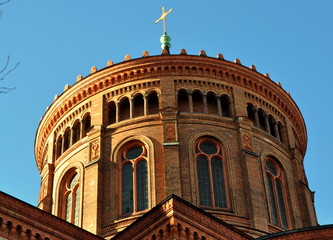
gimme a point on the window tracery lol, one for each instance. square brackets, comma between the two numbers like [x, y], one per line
[276, 193]
[70, 197]
[211, 173]
[134, 178]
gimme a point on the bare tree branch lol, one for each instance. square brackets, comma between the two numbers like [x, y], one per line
[6, 69]
[1, 3]
[6, 89]
[6, 65]
[3, 70]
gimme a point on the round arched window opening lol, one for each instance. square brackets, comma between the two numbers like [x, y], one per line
[208, 147]
[271, 168]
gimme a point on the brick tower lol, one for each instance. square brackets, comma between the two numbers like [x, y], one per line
[217, 134]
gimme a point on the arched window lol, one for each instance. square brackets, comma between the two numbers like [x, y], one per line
[183, 105]
[211, 173]
[70, 198]
[281, 132]
[124, 109]
[153, 103]
[276, 193]
[198, 106]
[112, 113]
[212, 103]
[272, 122]
[134, 178]
[59, 147]
[225, 106]
[76, 132]
[86, 124]
[67, 137]
[138, 106]
[262, 121]
[250, 112]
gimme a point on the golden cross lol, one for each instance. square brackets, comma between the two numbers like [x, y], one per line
[163, 17]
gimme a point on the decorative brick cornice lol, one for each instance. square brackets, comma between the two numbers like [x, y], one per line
[155, 67]
[14, 213]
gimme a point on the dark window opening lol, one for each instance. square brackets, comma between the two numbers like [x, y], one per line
[197, 102]
[76, 132]
[225, 105]
[153, 103]
[262, 122]
[59, 147]
[212, 104]
[124, 109]
[250, 112]
[112, 112]
[86, 124]
[183, 105]
[138, 106]
[271, 123]
[66, 139]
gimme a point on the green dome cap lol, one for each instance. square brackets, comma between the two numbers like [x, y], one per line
[165, 41]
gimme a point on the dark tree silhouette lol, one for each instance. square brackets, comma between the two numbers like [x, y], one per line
[6, 69]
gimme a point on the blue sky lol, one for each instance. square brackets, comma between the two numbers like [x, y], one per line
[54, 41]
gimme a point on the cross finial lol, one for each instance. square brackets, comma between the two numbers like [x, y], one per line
[163, 17]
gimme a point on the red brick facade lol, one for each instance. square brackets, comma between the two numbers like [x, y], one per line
[227, 140]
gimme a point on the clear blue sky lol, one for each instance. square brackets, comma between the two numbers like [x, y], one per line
[57, 40]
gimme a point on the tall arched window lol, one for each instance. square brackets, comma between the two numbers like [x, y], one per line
[134, 178]
[70, 198]
[211, 173]
[276, 193]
